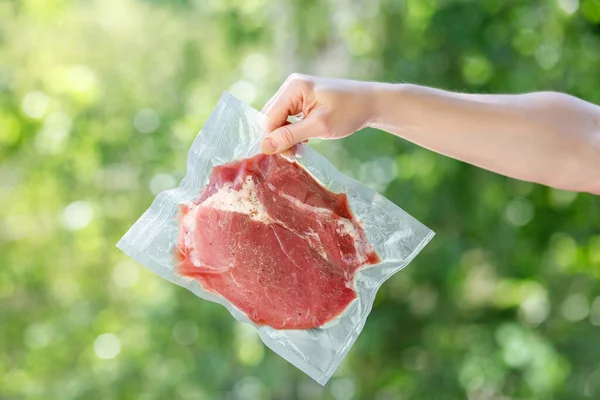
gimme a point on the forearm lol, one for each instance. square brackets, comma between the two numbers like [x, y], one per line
[548, 138]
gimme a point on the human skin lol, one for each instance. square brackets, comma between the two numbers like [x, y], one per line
[548, 138]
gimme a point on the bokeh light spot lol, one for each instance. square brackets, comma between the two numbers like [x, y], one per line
[52, 139]
[256, 67]
[535, 307]
[249, 348]
[360, 42]
[107, 346]
[516, 349]
[343, 389]
[35, 104]
[126, 274]
[575, 308]
[519, 212]
[80, 78]
[564, 250]
[244, 90]
[592, 385]
[423, 300]
[561, 198]
[477, 70]
[185, 332]
[250, 388]
[39, 335]
[547, 56]
[569, 6]
[146, 120]
[77, 215]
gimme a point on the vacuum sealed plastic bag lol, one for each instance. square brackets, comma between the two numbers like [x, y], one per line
[285, 242]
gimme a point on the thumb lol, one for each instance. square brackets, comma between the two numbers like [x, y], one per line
[286, 136]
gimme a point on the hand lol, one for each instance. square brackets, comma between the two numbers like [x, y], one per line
[329, 109]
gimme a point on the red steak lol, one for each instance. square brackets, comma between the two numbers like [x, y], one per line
[278, 245]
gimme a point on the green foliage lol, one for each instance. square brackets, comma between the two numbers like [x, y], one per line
[99, 101]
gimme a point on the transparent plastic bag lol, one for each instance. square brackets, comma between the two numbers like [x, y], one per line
[233, 132]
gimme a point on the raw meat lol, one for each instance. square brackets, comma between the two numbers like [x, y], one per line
[279, 246]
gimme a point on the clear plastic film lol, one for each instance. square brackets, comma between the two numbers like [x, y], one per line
[233, 132]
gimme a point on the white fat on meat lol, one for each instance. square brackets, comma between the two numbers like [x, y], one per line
[243, 200]
[347, 227]
[315, 243]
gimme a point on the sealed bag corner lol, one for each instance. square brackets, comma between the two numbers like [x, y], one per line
[286, 243]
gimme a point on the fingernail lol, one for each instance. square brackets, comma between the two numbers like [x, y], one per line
[268, 145]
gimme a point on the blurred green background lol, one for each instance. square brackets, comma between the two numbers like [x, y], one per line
[99, 101]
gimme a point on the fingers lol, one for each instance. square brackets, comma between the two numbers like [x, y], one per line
[288, 135]
[287, 101]
[281, 108]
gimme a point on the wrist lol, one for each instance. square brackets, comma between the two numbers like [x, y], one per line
[384, 99]
[371, 93]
